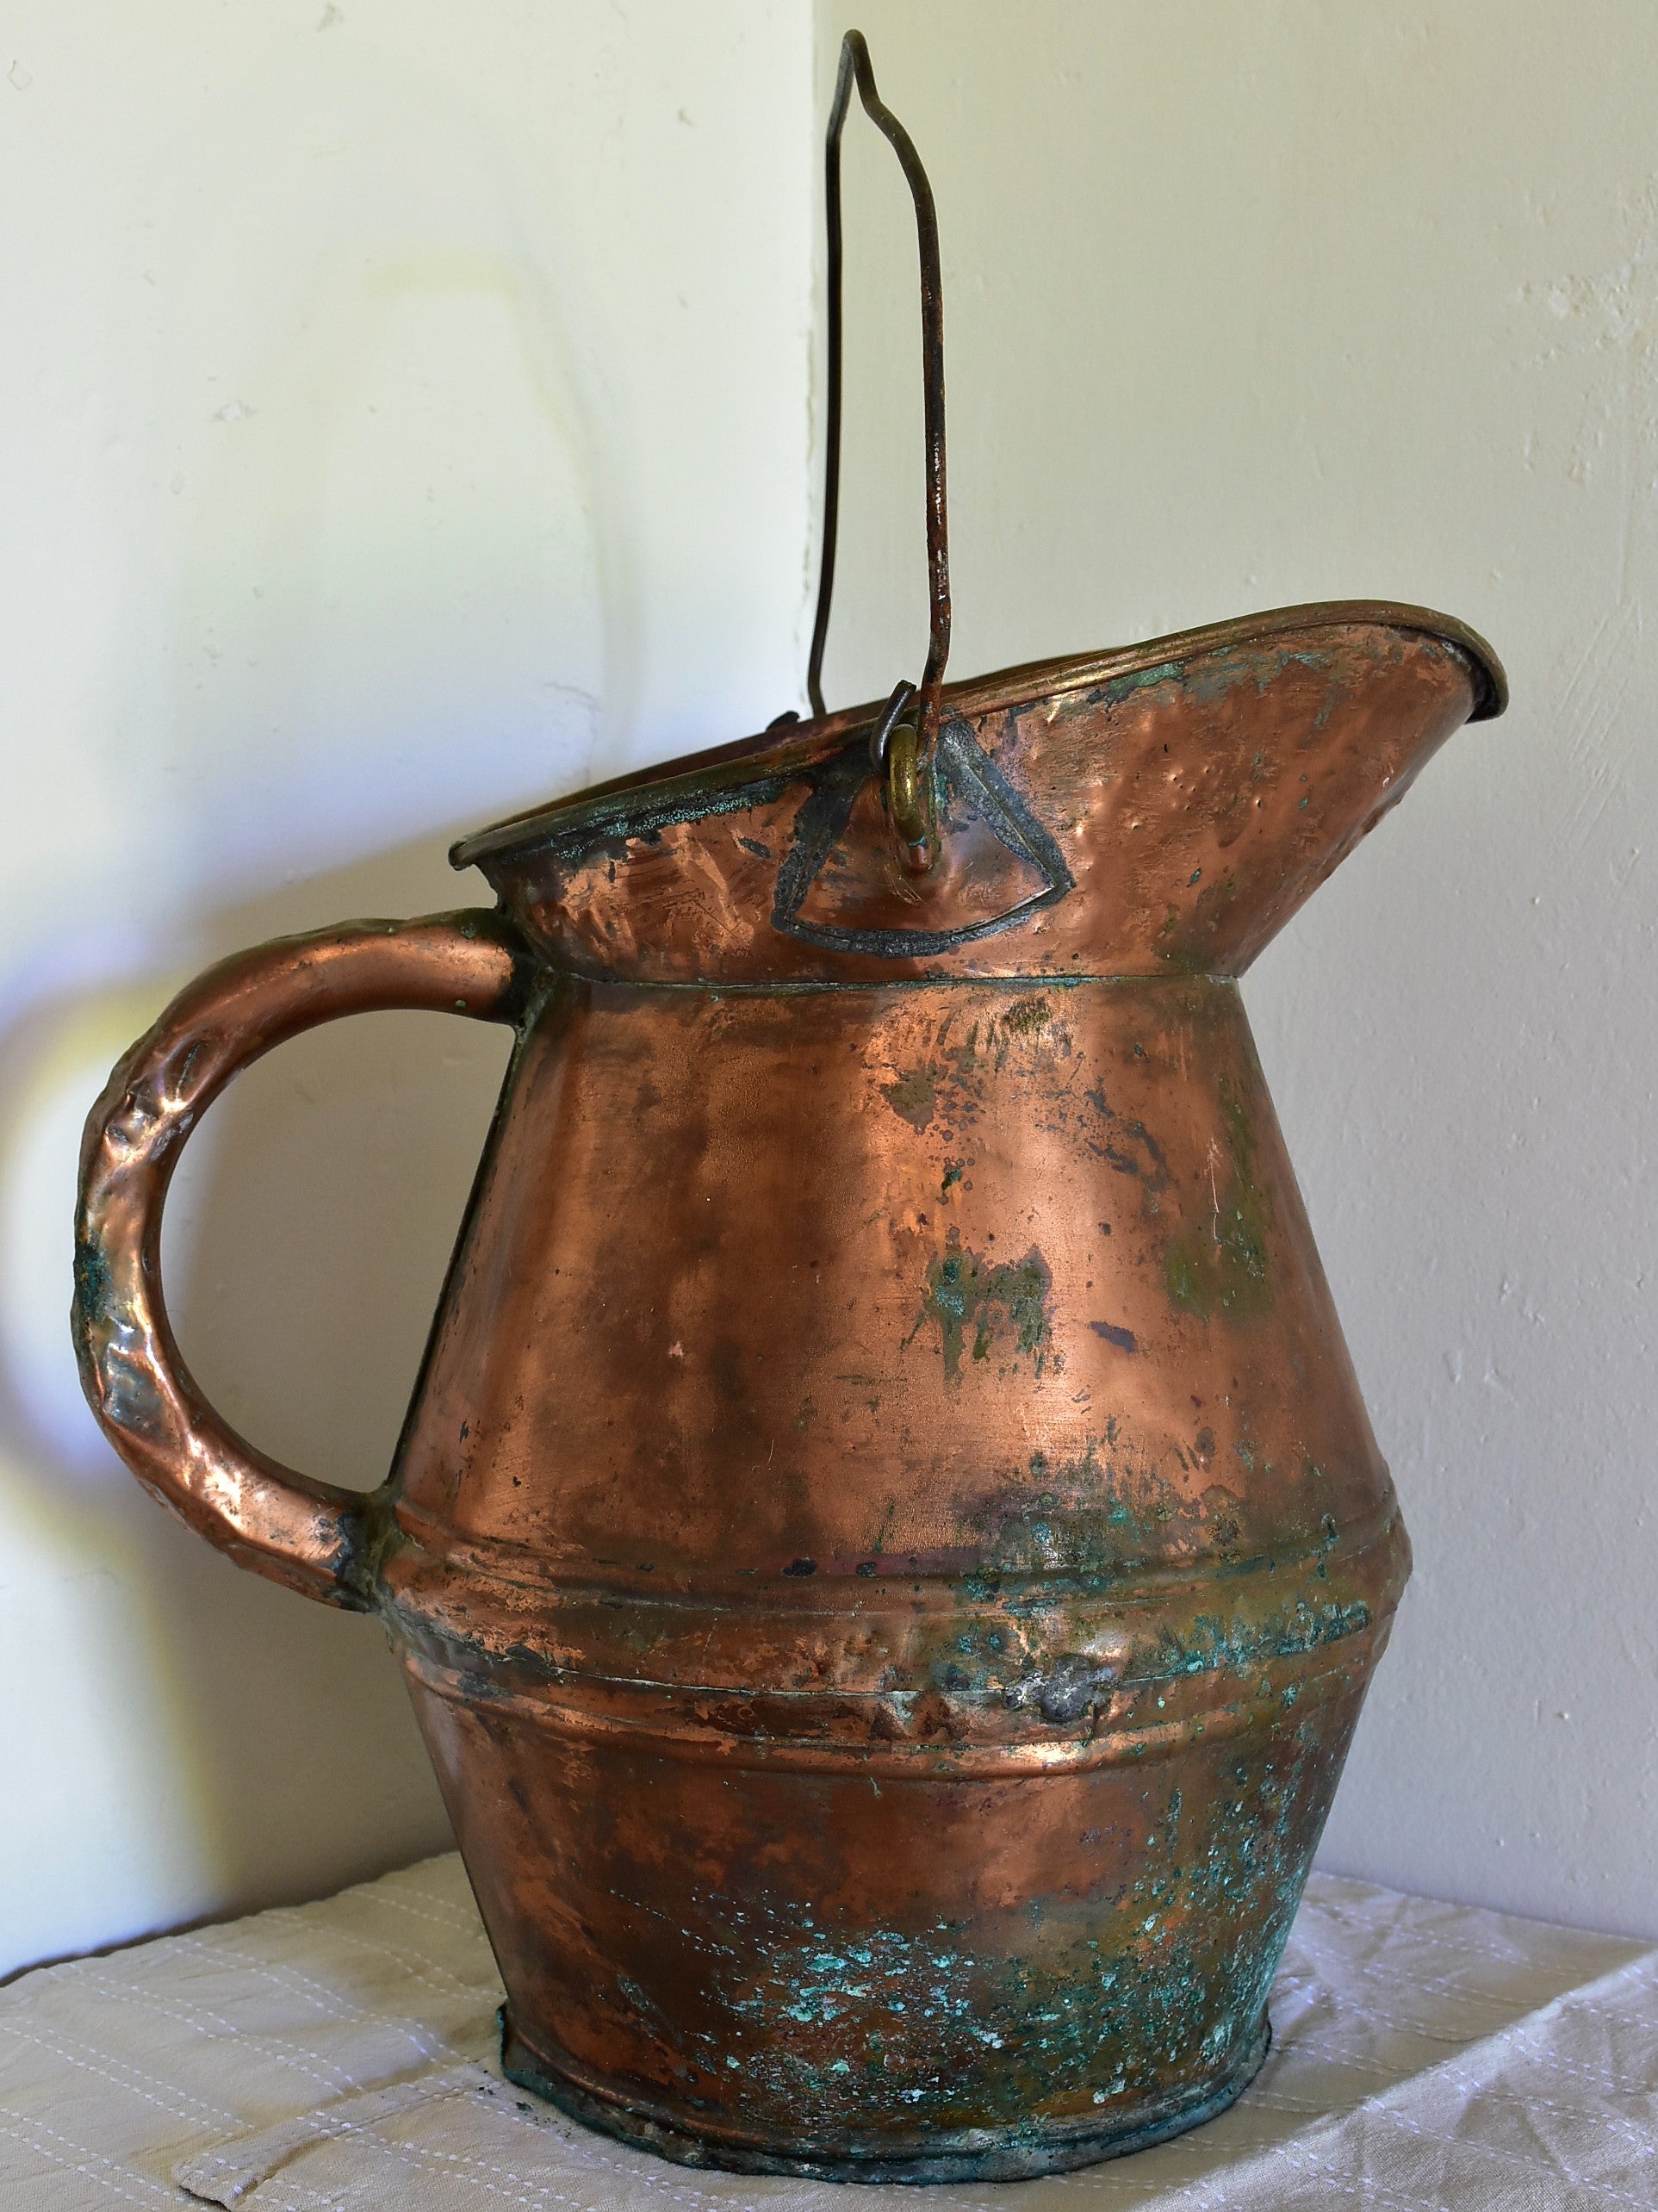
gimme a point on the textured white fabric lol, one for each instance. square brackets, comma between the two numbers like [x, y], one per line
[341, 2055]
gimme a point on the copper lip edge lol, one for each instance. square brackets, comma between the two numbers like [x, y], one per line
[770, 751]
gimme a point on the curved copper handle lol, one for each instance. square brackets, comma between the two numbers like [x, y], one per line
[855, 63]
[310, 1535]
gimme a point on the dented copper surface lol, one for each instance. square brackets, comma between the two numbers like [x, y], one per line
[887, 1546]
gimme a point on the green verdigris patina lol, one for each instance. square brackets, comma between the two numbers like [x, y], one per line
[990, 1301]
[1224, 1267]
[1086, 1995]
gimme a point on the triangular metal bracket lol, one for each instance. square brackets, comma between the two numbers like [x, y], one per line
[968, 779]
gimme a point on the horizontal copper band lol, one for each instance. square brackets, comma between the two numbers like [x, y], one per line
[672, 1719]
[936, 1579]
[1052, 1643]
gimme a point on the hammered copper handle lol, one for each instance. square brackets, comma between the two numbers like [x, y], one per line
[315, 1537]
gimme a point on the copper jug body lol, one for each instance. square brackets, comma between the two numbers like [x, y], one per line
[886, 1547]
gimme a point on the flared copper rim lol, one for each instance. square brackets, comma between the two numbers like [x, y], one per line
[605, 806]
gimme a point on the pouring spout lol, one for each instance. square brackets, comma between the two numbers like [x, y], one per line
[1208, 790]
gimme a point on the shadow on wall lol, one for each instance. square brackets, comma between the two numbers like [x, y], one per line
[257, 1747]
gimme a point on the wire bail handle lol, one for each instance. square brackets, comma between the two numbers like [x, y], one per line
[901, 744]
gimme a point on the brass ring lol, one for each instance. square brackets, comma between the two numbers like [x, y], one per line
[905, 797]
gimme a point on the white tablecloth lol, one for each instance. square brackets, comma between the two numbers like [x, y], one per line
[341, 2055]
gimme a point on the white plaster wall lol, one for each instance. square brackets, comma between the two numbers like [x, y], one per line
[404, 414]
[1310, 299]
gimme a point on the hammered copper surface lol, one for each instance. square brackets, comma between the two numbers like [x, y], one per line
[1195, 790]
[310, 1535]
[887, 1546]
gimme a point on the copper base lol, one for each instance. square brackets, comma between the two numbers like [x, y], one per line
[1018, 2154]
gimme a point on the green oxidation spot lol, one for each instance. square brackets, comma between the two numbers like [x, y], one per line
[980, 2019]
[1210, 1643]
[818, 1978]
[1089, 1515]
[1222, 1266]
[91, 1280]
[1208, 680]
[978, 1305]
[913, 1098]
[1027, 1017]
[1121, 687]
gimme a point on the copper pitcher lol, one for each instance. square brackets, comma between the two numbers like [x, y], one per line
[886, 1547]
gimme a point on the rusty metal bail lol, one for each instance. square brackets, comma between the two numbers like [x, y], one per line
[903, 748]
